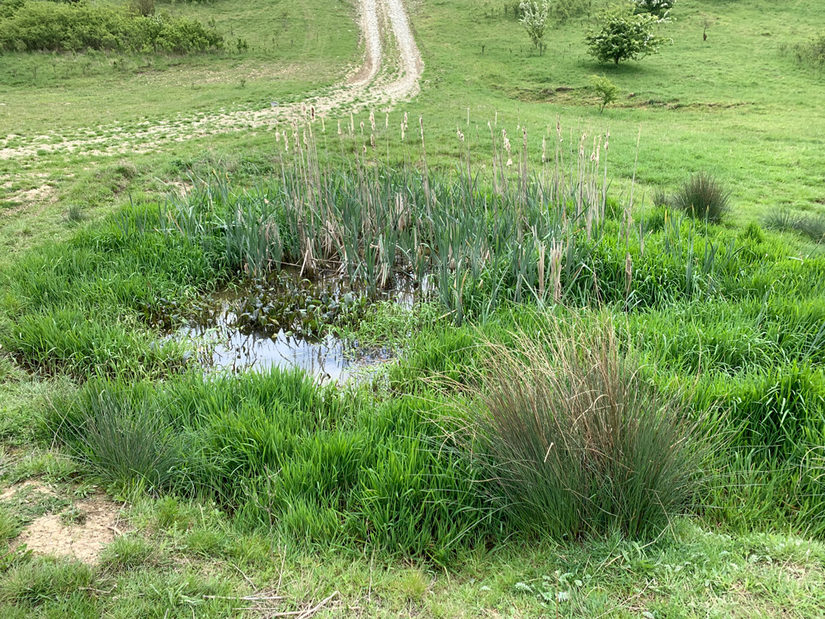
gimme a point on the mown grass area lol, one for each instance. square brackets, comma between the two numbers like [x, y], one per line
[293, 47]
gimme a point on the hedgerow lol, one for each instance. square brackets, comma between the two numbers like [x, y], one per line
[48, 26]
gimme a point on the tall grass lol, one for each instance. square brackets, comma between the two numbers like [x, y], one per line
[522, 234]
[576, 441]
[284, 454]
[737, 307]
[704, 197]
[811, 226]
[89, 306]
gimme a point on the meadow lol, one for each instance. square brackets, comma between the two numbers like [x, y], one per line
[601, 331]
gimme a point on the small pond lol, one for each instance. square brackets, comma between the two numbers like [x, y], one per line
[283, 323]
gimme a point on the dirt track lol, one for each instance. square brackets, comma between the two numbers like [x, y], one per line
[379, 82]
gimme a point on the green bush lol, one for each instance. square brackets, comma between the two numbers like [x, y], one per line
[10, 7]
[46, 26]
[623, 35]
[606, 90]
[143, 7]
[704, 197]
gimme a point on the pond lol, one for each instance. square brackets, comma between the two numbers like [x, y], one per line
[285, 322]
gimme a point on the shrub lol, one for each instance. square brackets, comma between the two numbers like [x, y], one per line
[703, 197]
[605, 89]
[143, 7]
[575, 441]
[624, 35]
[47, 26]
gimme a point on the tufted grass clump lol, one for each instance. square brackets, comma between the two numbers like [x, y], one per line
[575, 441]
[811, 226]
[703, 197]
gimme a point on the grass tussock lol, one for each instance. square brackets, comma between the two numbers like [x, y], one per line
[703, 197]
[576, 441]
[810, 226]
[284, 455]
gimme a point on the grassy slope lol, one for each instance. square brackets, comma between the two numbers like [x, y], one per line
[745, 111]
[294, 47]
[734, 105]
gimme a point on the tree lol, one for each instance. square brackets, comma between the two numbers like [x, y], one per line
[624, 35]
[659, 8]
[607, 90]
[534, 20]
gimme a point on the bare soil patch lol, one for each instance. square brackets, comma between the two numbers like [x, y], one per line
[93, 524]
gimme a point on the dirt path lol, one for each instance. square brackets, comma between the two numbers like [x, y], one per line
[379, 82]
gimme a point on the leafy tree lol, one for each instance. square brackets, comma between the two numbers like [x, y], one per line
[624, 35]
[534, 19]
[607, 90]
[659, 8]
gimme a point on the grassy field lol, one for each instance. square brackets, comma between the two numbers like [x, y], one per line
[599, 405]
[720, 105]
[732, 104]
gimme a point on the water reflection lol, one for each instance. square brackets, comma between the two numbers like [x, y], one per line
[223, 346]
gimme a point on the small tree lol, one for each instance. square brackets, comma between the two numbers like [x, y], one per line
[659, 8]
[607, 90]
[624, 35]
[534, 20]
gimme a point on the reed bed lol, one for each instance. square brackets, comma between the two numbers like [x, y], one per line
[523, 232]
